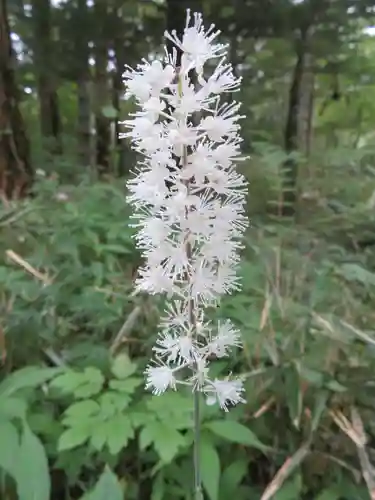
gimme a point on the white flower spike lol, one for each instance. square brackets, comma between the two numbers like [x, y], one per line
[189, 232]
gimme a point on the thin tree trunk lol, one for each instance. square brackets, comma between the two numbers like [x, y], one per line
[125, 155]
[44, 63]
[119, 51]
[84, 122]
[84, 86]
[306, 106]
[117, 87]
[292, 130]
[102, 123]
[15, 168]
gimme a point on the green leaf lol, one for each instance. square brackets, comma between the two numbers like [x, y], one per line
[112, 403]
[109, 112]
[12, 407]
[231, 478]
[319, 407]
[82, 410]
[122, 366]
[68, 381]
[210, 469]
[290, 490]
[335, 386]
[92, 384]
[9, 447]
[227, 11]
[235, 432]
[127, 386]
[98, 438]
[116, 249]
[173, 407]
[28, 377]
[330, 494]
[158, 487]
[354, 272]
[293, 394]
[166, 440]
[119, 432]
[312, 376]
[139, 419]
[82, 385]
[73, 437]
[107, 488]
[31, 471]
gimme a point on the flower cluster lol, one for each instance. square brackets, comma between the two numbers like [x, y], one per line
[189, 202]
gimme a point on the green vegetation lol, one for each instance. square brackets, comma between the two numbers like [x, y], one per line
[75, 420]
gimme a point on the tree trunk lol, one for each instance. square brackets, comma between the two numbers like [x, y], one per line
[15, 168]
[44, 63]
[306, 106]
[292, 134]
[84, 86]
[102, 98]
[119, 59]
[125, 156]
[117, 89]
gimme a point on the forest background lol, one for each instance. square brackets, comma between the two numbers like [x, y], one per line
[75, 420]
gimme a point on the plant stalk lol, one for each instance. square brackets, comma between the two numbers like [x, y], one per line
[198, 493]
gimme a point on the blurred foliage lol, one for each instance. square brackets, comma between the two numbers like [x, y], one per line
[75, 420]
[305, 313]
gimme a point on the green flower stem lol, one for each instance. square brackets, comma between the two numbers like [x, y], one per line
[198, 493]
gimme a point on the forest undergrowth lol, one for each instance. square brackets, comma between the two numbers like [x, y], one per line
[74, 343]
